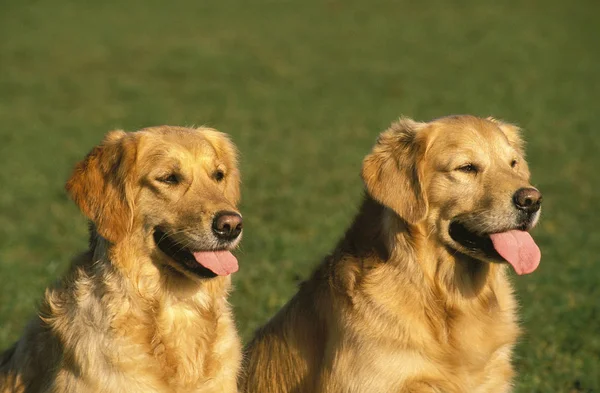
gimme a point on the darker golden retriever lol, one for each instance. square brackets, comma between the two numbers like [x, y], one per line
[145, 309]
[415, 297]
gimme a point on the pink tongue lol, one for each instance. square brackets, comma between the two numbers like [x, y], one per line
[221, 263]
[519, 249]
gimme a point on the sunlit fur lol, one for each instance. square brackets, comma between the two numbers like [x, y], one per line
[398, 306]
[126, 318]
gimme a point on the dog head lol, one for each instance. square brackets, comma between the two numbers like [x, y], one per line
[175, 188]
[465, 181]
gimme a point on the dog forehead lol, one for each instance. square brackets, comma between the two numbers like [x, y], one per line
[176, 142]
[469, 135]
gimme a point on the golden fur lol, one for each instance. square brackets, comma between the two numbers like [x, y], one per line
[399, 306]
[127, 318]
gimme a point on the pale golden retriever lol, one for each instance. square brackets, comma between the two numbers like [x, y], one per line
[145, 309]
[415, 297]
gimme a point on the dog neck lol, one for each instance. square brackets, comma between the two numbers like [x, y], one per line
[379, 237]
[121, 294]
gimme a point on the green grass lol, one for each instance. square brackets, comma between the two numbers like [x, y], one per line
[304, 87]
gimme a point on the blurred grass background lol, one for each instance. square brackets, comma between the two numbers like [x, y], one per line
[304, 87]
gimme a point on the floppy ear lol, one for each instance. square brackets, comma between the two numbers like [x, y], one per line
[513, 134]
[391, 171]
[228, 153]
[98, 185]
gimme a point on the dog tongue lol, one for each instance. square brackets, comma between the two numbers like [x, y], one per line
[519, 249]
[221, 263]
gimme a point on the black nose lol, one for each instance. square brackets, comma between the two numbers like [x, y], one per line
[227, 225]
[528, 199]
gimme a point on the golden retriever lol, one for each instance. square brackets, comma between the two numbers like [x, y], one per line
[145, 309]
[415, 297]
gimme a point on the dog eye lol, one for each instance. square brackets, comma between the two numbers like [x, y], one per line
[468, 168]
[219, 175]
[171, 179]
[513, 163]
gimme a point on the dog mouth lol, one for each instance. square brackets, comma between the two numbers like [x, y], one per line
[202, 263]
[514, 246]
[473, 241]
